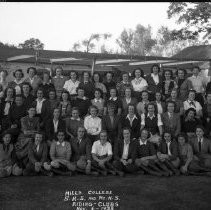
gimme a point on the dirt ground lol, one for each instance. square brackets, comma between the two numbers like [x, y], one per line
[130, 192]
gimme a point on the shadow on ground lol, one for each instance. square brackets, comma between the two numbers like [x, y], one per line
[134, 192]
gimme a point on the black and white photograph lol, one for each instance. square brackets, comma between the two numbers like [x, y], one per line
[105, 105]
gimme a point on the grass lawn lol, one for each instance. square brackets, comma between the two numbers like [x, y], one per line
[133, 191]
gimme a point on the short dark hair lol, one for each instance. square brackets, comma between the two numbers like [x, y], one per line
[35, 70]
[20, 70]
[155, 65]
[182, 135]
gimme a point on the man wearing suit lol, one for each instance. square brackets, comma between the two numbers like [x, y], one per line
[81, 151]
[171, 120]
[125, 153]
[37, 154]
[53, 125]
[201, 147]
[112, 124]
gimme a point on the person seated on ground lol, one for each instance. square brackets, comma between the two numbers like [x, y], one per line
[188, 163]
[27, 96]
[171, 120]
[65, 105]
[46, 85]
[201, 147]
[190, 122]
[146, 158]
[112, 123]
[132, 121]
[191, 103]
[29, 126]
[206, 110]
[168, 153]
[127, 99]
[73, 123]
[8, 161]
[98, 101]
[33, 79]
[81, 152]
[37, 154]
[141, 106]
[125, 153]
[93, 124]
[178, 103]
[82, 102]
[124, 84]
[42, 107]
[160, 104]
[115, 99]
[102, 155]
[87, 85]
[54, 102]
[60, 154]
[152, 121]
[16, 112]
[53, 124]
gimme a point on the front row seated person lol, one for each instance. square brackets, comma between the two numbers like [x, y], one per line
[8, 160]
[189, 163]
[37, 154]
[168, 153]
[102, 155]
[81, 151]
[146, 159]
[125, 153]
[29, 126]
[60, 153]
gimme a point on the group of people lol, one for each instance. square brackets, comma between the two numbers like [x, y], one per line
[157, 124]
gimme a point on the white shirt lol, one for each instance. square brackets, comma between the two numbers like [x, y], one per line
[155, 78]
[139, 84]
[125, 151]
[39, 106]
[55, 124]
[142, 143]
[63, 143]
[159, 107]
[31, 80]
[71, 86]
[98, 100]
[131, 119]
[168, 146]
[92, 125]
[187, 105]
[37, 148]
[198, 83]
[100, 150]
[158, 116]
[113, 99]
[128, 100]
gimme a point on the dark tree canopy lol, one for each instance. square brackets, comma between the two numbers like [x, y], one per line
[195, 15]
[32, 43]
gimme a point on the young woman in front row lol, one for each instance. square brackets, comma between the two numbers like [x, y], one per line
[8, 160]
[102, 155]
[168, 153]
[60, 153]
[146, 159]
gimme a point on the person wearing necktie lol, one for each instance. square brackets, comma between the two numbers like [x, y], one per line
[201, 147]
[60, 154]
[37, 154]
[168, 153]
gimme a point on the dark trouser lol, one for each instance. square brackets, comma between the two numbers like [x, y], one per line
[30, 170]
[130, 168]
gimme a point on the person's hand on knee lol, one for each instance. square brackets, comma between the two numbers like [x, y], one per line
[37, 166]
